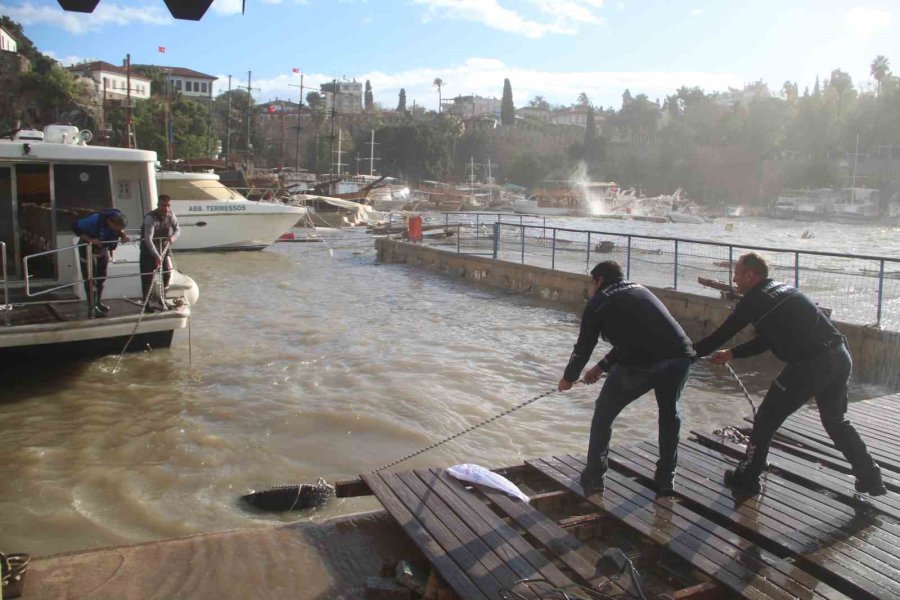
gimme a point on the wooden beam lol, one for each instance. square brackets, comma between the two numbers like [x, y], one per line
[701, 591]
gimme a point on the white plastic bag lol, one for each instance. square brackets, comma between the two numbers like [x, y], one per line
[481, 476]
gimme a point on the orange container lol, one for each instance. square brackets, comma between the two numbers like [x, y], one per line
[414, 229]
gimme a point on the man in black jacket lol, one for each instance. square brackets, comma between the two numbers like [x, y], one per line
[650, 351]
[789, 324]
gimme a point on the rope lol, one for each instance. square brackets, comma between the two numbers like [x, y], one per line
[467, 430]
[743, 389]
[157, 275]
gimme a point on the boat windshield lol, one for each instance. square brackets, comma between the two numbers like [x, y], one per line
[197, 189]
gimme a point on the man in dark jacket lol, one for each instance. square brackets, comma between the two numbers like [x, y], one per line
[650, 351]
[158, 232]
[789, 324]
[103, 231]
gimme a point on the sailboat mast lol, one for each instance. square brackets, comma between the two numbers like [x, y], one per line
[372, 154]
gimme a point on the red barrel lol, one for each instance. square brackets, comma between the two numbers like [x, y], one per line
[414, 229]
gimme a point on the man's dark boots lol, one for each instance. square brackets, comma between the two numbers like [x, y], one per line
[591, 483]
[741, 482]
[871, 483]
[664, 483]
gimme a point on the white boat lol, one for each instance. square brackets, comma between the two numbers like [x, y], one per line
[855, 205]
[215, 217]
[569, 198]
[48, 180]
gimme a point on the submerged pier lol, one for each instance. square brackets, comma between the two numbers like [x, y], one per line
[807, 535]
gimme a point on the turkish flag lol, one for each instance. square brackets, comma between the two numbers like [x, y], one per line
[272, 108]
[295, 70]
[162, 49]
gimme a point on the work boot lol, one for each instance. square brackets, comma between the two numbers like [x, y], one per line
[739, 481]
[871, 483]
[591, 483]
[664, 483]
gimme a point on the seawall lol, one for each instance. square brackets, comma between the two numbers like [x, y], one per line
[875, 351]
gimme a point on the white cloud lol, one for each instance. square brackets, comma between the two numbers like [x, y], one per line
[484, 77]
[227, 7]
[696, 12]
[106, 13]
[863, 22]
[68, 61]
[556, 16]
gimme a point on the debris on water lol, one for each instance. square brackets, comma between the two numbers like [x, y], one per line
[732, 434]
[291, 497]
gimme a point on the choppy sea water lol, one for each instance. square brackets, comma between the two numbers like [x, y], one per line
[303, 360]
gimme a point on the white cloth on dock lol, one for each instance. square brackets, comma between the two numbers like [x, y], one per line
[482, 476]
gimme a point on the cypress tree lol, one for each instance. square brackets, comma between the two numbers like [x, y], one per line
[369, 98]
[507, 108]
[401, 105]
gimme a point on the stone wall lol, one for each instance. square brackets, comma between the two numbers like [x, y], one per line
[874, 350]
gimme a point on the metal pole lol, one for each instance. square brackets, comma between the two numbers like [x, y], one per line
[496, 240]
[523, 244]
[730, 265]
[628, 260]
[228, 128]
[477, 225]
[676, 264]
[89, 267]
[457, 237]
[446, 220]
[880, 291]
[553, 252]
[6, 307]
[796, 269]
[587, 261]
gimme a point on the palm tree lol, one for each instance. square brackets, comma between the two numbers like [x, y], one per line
[881, 68]
[438, 83]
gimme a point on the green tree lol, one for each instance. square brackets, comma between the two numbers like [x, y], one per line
[880, 69]
[539, 102]
[507, 108]
[369, 97]
[843, 85]
[401, 102]
[315, 100]
[438, 83]
[583, 100]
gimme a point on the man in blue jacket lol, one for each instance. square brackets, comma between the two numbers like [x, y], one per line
[789, 324]
[103, 231]
[650, 351]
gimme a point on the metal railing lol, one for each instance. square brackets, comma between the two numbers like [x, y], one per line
[88, 277]
[6, 305]
[858, 288]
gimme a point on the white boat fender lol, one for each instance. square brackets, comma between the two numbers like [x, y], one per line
[481, 476]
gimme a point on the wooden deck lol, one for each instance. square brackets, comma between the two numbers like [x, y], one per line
[807, 535]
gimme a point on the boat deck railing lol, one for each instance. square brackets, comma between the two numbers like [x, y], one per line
[32, 291]
[858, 288]
[6, 306]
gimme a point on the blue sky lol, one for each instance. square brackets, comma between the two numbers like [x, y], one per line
[553, 48]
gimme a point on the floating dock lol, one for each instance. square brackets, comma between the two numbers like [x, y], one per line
[807, 535]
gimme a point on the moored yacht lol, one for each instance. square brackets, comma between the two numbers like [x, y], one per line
[48, 180]
[215, 217]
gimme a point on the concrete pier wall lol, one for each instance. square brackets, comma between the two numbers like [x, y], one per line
[875, 351]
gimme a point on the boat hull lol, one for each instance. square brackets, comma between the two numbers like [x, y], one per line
[225, 226]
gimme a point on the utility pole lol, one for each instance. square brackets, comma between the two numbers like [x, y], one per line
[129, 124]
[249, 113]
[228, 127]
[281, 162]
[169, 139]
[299, 114]
[333, 111]
[372, 158]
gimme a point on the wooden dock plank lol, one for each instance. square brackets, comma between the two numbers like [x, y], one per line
[809, 472]
[525, 560]
[772, 567]
[453, 567]
[580, 558]
[856, 534]
[860, 569]
[660, 525]
[814, 431]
